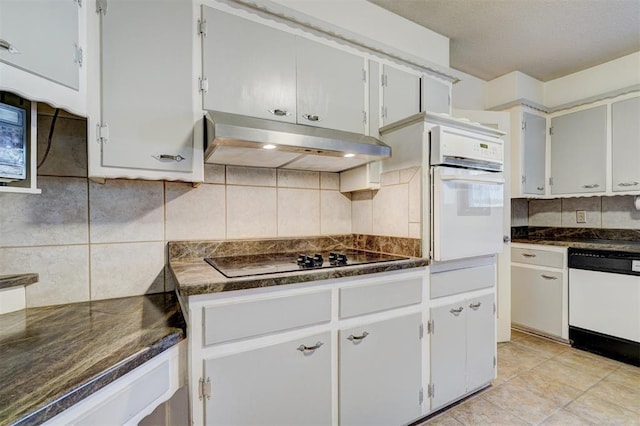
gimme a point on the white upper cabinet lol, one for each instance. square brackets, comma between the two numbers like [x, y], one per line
[41, 36]
[578, 151]
[436, 95]
[400, 94]
[625, 133]
[331, 87]
[41, 51]
[534, 146]
[250, 68]
[256, 70]
[147, 115]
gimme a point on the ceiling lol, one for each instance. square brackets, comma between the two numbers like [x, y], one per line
[545, 39]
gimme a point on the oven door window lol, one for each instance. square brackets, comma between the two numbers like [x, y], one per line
[467, 213]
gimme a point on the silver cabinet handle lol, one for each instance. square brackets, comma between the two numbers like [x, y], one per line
[628, 183]
[304, 348]
[280, 112]
[456, 312]
[4, 44]
[548, 277]
[167, 157]
[475, 306]
[528, 255]
[595, 185]
[357, 338]
[540, 188]
[311, 117]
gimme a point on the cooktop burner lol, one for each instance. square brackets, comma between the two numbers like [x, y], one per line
[274, 263]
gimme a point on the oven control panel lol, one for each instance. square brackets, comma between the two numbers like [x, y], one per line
[464, 145]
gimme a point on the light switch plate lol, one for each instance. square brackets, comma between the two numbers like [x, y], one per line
[581, 216]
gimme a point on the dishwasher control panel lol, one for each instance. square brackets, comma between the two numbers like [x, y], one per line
[618, 262]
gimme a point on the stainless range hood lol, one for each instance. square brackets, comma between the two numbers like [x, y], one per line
[247, 141]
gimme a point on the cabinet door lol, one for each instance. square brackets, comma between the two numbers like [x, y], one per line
[536, 297]
[625, 126]
[250, 67]
[45, 35]
[280, 385]
[534, 136]
[481, 341]
[380, 372]
[400, 94]
[578, 151]
[448, 353]
[146, 85]
[331, 87]
[436, 95]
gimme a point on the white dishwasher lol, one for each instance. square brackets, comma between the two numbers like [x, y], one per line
[604, 303]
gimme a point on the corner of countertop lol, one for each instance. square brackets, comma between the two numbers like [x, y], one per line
[16, 280]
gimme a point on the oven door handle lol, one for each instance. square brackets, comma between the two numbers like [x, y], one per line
[474, 178]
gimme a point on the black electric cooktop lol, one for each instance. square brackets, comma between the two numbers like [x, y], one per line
[275, 263]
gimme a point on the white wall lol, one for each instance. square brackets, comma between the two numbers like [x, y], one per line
[469, 93]
[588, 84]
[608, 77]
[378, 24]
[513, 86]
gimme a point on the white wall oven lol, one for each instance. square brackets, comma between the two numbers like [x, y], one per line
[467, 194]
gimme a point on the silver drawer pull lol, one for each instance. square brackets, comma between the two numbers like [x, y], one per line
[540, 188]
[528, 255]
[167, 157]
[594, 185]
[548, 277]
[357, 338]
[456, 312]
[280, 112]
[311, 117]
[475, 306]
[4, 44]
[628, 183]
[305, 348]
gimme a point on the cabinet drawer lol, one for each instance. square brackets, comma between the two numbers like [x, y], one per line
[462, 280]
[551, 259]
[379, 297]
[256, 317]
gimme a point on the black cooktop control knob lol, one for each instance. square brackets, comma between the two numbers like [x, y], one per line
[337, 258]
[318, 259]
[301, 259]
[310, 262]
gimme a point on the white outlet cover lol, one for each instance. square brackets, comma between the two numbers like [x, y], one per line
[581, 216]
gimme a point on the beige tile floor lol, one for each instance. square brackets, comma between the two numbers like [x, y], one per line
[541, 382]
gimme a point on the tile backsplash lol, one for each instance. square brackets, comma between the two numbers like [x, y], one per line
[91, 241]
[608, 212]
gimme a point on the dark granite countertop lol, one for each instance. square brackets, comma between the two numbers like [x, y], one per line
[53, 357]
[194, 276]
[589, 238]
[630, 246]
[16, 280]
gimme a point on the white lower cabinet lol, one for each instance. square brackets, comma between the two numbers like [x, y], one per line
[346, 351]
[462, 348]
[284, 384]
[539, 289]
[130, 398]
[381, 372]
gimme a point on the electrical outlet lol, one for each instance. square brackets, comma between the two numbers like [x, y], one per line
[581, 216]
